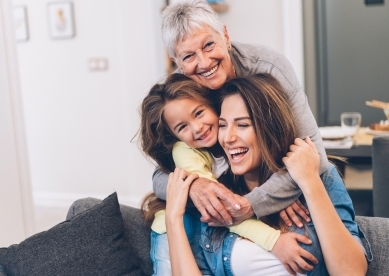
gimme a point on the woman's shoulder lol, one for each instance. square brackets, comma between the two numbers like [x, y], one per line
[250, 59]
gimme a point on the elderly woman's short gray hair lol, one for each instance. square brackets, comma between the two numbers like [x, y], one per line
[181, 18]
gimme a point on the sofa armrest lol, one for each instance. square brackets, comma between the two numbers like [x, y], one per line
[376, 230]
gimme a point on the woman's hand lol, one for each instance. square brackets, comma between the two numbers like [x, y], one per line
[289, 214]
[302, 162]
[294, 258]
[177, 192]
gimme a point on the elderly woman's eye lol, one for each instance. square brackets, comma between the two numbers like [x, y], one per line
[209, 45]
[187, 57]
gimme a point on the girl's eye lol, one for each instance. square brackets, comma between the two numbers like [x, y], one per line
[198, 113]
[221, 125]
[181, 128]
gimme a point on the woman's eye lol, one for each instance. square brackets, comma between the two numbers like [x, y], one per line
[209, 45]
[221, 125]
[243, 125]
[188, 57]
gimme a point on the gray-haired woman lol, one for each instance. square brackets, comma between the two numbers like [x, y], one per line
[200, 45]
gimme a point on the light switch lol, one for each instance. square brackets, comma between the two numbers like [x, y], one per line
[98, 64]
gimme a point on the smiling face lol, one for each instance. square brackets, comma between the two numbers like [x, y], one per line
[203, 56]
[192, 122]
[238, 138]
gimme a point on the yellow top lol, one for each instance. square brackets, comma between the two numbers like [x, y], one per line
[200, 161]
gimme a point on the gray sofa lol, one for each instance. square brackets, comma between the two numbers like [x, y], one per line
[105, 238]
[376, 229]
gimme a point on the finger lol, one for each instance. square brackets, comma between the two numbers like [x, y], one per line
[297, 209]
[309, 257]
[228, 197]
[299, 142]
[310, 143]
[215, 224]
[302, 238]
[293, 147]
[298, 202]
[289, 269]
[190, 178]
[219, 211]
[293, 217]
[296, 268]
[285, 218]
[304, 265]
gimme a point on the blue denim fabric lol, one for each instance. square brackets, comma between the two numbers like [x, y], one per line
[212, 251]
[159, 252]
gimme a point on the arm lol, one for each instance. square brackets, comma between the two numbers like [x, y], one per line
[181, 256]
[279, 191]
[160, 180]
[205, 192]
[303, 164]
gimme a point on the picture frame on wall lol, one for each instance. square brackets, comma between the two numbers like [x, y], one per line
[60, 20]
[20, 23]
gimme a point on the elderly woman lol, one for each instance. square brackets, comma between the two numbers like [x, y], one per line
[200, 45]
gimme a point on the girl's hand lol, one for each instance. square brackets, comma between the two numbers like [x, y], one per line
[302, 161]
[294, 258]
[177, 192]
[294, 214]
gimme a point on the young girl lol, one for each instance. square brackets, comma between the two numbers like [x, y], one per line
[179, 128]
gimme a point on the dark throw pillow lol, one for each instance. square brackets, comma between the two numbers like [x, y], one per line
[90, 244]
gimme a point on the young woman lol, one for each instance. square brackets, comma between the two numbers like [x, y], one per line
[254, 126]
[179, 128]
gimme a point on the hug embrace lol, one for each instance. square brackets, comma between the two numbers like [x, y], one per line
[232, 133]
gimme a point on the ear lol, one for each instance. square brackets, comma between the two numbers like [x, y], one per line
[226, 36]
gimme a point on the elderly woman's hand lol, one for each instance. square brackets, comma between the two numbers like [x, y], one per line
[177, 192]
[210, 198]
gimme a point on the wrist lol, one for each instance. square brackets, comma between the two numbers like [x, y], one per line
[310, 185]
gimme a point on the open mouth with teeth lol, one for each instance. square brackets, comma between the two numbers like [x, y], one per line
[205, 135]
[237, 154]
[210, 72]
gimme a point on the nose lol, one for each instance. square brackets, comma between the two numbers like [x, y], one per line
[197, 126]
[203, 61]
[229, 135]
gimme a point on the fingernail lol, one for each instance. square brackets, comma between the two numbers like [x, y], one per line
[308, 219]
[289, 224]
[229, 222]
[309, 241]
[237, 206]
[300, 225]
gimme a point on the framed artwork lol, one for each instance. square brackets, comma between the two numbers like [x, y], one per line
[20, 23]
[60, 20]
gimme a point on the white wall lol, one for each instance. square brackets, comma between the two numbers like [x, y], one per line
[275, 23]
[16, 208]
[79, 124]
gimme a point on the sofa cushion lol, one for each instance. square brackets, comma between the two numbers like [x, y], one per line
[135, 231]
[376, 231]
[90, 244]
